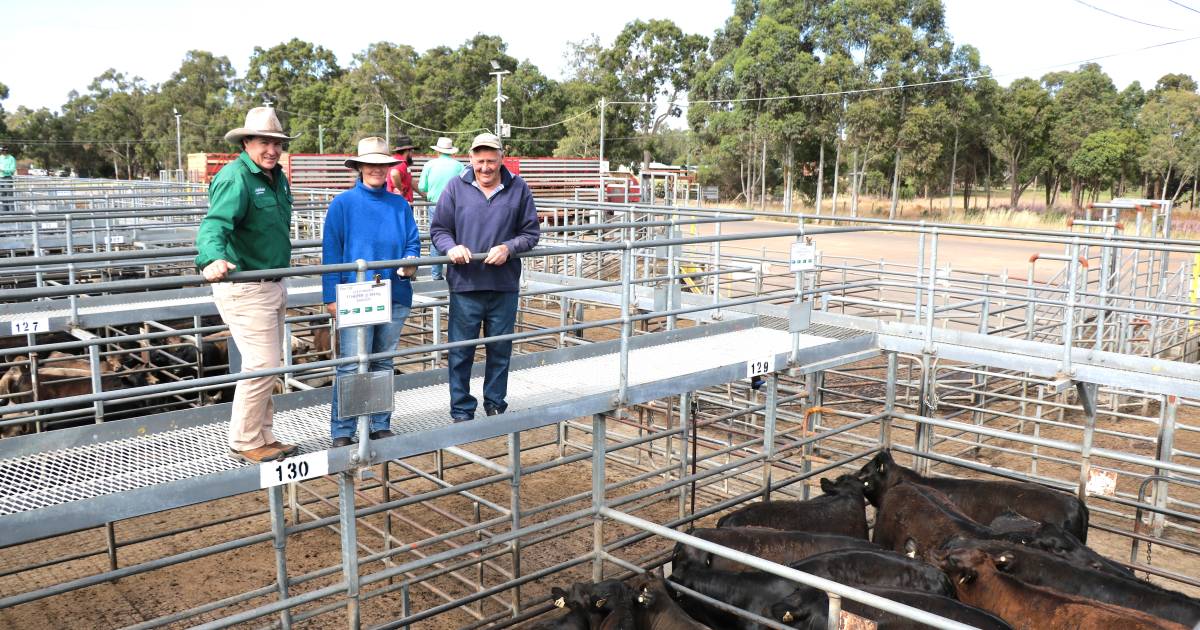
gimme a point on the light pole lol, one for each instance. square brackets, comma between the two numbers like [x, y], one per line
[500, 98]
[178, 143]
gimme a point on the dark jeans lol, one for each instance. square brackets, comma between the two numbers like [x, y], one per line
[435, 271]
[496, 311]
[6, 193]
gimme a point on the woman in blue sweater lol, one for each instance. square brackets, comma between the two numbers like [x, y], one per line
[370, 223]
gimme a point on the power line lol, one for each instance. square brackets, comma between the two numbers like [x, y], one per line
[1177, 3]
[1127, 19]
[452, 133]
[561, 122]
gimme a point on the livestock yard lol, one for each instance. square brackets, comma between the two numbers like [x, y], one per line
[672, 369]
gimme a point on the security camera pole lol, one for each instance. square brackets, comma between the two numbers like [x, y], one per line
[500, 98]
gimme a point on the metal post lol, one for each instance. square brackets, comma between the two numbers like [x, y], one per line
[362, 455]
[685, 419]
[769, 432]
[835, 612]
[889, 405]
[815, 382]
[279, 531]
[1069, 315]
[349, 546]
[600, 166]
[1087, 397]
[1166, 449]
[73, 300]
[598, 453]
[716, 264]
[178, 143]
[626, 326]
[514, 485]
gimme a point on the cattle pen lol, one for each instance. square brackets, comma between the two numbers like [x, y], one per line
[672, 362]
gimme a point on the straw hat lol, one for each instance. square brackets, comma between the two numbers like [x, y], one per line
[372, 150]
[445, 145]
[404, 143]
[260, 121]
[486, 141]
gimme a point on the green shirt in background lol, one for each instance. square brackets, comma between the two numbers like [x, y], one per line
[436, 174]
[249, 218]
[8, 165]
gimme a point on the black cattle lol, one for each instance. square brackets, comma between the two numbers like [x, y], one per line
[579, 601]
[841, 510]
[568, 618]
[753, 591]
[1012, 523]
[916, 520]
[769, 544]
[808, 608]
[982, 500]
[655, 609]
[609, 604]
[1053, 539]
[1043, 569]
[882, 569]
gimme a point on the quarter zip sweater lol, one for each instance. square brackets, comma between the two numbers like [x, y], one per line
[465, 216]
[249, 218]
[371, 225]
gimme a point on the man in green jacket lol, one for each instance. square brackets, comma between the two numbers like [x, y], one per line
[247, 228]
[8, 167]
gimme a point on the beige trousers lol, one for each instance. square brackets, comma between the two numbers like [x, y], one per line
[254, 313]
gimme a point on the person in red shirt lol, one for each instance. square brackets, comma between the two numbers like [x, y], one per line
[399, 178]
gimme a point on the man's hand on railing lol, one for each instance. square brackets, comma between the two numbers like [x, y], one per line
[218, 270]
[408, 272]
[497, 255]
[331, 308]
[459, 255]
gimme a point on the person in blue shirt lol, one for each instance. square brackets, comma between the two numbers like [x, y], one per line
[488, 210]
[370, 223]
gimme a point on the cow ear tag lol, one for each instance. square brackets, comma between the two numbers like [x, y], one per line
[787, 617]
[601, 602]
[561, 602]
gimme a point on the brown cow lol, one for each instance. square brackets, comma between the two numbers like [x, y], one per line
[61, 376]
[1026, 607]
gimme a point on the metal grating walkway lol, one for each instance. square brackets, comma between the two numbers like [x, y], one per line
[41, 480]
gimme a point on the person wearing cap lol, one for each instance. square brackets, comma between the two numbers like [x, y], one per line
[487, 213]
[399, 178]
[367, 222]
[8, 168]
[247, 229]
[434, 176]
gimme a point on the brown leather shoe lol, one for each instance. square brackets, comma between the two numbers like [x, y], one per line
[258, 455]
[287, 449]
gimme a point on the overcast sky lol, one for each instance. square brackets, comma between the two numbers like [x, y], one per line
[49, 49]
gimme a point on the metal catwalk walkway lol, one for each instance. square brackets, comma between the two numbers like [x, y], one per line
[70, 479]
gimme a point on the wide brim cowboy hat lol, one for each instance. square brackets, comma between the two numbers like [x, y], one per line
[262, 122]
[445, 145]
[372, 150]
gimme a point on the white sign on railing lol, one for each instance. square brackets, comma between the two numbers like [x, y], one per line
[30, 325]
[1101, 482]
[296, 468]
[364, 303]
[803, 257]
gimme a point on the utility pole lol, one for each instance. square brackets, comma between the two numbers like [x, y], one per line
[320, 138]
[500, 97]
[178, 142]
[387, 123]
[603, 103]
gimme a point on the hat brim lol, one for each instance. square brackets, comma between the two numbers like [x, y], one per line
[449, 151]
[488, 145]
[371, 158]
[405, 147]
[235, 136]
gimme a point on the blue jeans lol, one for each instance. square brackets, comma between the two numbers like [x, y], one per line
[496, 311]
[380, 338]
[435, 271]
